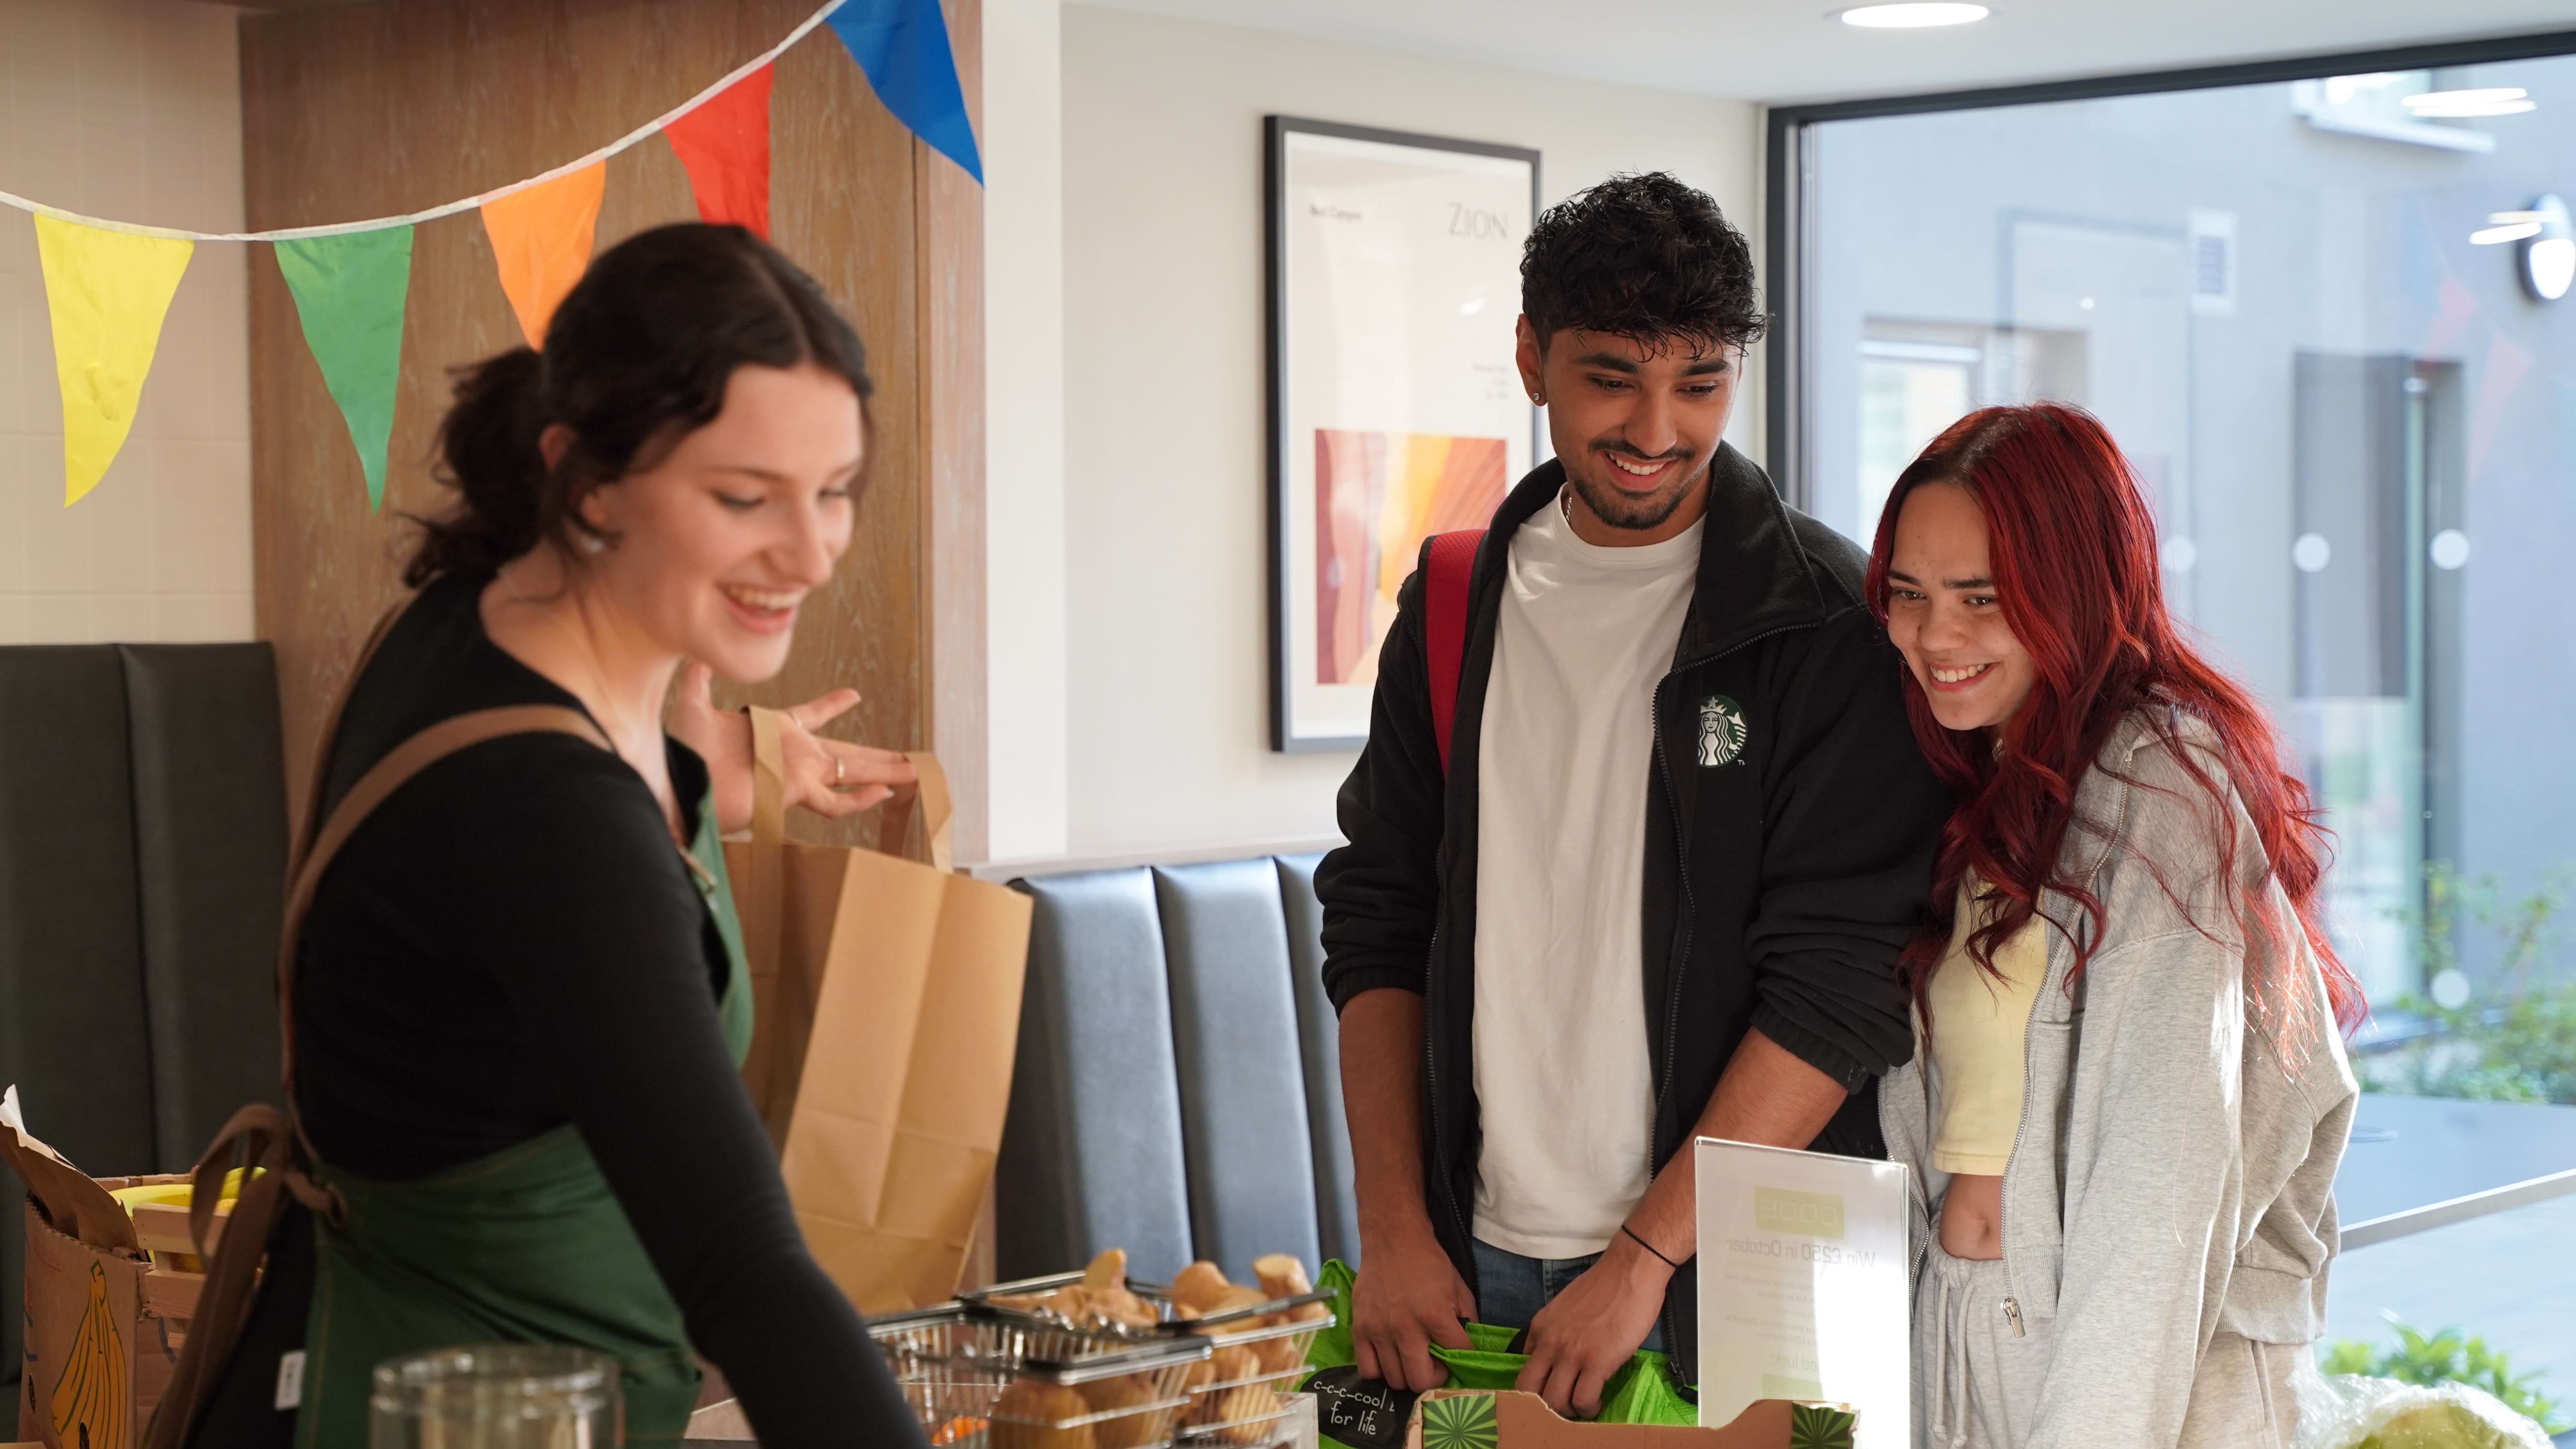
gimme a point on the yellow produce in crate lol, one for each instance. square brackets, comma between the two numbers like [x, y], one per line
[178, 1194]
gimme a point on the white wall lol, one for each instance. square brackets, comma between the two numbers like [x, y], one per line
[129, 109]
[1165, 583]
[1023, 147]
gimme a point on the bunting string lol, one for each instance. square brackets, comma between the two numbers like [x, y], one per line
[108, 282]
[627, 142]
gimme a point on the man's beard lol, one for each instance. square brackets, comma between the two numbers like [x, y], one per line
[1634, 512]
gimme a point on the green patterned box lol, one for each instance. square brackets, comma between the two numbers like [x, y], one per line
[1474, 1419]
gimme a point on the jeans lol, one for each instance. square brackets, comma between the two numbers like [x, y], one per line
[1511, 1289]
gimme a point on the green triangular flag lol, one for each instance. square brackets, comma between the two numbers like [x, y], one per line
[349, 292]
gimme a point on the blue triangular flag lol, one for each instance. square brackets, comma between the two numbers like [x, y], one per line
[903, 46]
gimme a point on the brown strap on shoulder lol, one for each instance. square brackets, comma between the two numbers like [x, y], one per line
[319, 783]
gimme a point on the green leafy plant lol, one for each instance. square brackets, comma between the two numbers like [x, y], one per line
[2513, 1039]
[2443, 1358]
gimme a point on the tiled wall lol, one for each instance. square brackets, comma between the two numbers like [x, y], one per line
[128, 109]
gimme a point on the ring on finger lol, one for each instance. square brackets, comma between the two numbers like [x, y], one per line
[840, 772]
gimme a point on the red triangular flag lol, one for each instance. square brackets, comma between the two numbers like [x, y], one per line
[725, 145]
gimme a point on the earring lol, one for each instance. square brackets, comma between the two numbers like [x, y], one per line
[592, 543]
[1537, 401]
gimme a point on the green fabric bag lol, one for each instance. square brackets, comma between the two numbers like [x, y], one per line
[1642, 1392]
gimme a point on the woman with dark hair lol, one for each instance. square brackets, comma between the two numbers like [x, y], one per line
[517, 1004]
[2130, 1094]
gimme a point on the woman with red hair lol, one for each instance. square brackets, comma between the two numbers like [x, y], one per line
[2130, 1094]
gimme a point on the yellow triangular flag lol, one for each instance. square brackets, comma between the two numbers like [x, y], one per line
[541, 242]
[108, 291]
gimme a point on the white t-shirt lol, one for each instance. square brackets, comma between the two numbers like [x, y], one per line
[1563, 1082]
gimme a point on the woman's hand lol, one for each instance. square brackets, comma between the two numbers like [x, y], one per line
[828, 777]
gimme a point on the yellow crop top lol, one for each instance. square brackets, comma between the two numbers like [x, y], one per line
[1978, 1024]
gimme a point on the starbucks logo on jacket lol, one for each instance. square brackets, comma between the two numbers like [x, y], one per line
[1721, 731]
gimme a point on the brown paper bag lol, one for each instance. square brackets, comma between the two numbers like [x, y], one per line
[72, 1199]
[888, 1009]
[101, 1343]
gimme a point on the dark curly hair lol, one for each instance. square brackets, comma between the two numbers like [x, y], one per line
[1645, 258]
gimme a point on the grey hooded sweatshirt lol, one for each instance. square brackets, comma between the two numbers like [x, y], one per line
[2173, 1176]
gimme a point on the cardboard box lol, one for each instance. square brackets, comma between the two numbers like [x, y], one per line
[1479, 1419]
[104, 1327]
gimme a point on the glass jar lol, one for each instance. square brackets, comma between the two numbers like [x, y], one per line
[498, 1396]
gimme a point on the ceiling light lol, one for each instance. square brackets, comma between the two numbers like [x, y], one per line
[2512, 231]
[2549, 257]
[1915, 16]
[2485, 101]
[2548, 266]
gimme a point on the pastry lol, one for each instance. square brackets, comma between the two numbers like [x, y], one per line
[1282, 1354]
[1249, 1414]
[1199, 1285]
[1232, 1300]
[1109, 1270]
[1234, 1365]
[1128, 1431]
[1085, 1306]
[1227, 1366]
[1282, 1275]
[1046, 1404]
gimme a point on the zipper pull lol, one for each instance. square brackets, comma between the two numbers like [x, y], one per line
[2012, 1315]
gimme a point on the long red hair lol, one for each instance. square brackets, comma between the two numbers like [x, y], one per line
[2072, 547]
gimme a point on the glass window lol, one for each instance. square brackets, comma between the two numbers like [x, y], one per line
[2324, 318]
[2355, 418]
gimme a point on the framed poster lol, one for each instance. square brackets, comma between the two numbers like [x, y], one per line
[1395, 408]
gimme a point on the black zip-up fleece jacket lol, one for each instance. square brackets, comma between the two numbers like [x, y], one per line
[1779, 885]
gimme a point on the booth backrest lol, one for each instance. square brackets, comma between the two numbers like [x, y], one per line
[1178, 1091]
[142, 867]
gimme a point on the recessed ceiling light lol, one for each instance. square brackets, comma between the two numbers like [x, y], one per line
[1911, 16]
[2484, 101]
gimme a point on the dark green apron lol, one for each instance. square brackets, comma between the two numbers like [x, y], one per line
[527, 1245]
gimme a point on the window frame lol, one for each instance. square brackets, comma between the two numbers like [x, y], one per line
[1788, 191]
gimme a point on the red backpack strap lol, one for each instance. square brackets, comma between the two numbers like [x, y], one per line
[1448, 565]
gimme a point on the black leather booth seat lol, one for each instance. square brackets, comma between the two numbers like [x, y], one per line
[142, 866]
[1178, 1092]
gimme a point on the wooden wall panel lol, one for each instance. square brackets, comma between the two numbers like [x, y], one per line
[949, 209]
[384, 108]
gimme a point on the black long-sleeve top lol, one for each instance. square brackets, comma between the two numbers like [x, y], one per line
[512, 942]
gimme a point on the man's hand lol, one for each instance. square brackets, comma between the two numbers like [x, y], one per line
[1592, 1328]
[828, 777]
[1407, 1298]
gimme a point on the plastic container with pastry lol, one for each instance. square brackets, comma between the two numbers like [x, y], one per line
[1258, 1332]
[1261, 1332]
[976, 1376]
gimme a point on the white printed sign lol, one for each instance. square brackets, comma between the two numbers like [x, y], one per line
[1804, 1273]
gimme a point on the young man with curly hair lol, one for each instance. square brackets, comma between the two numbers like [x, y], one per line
[1659, 889]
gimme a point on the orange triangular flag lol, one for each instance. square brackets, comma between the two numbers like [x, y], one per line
[725, 145]
[541, 241]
